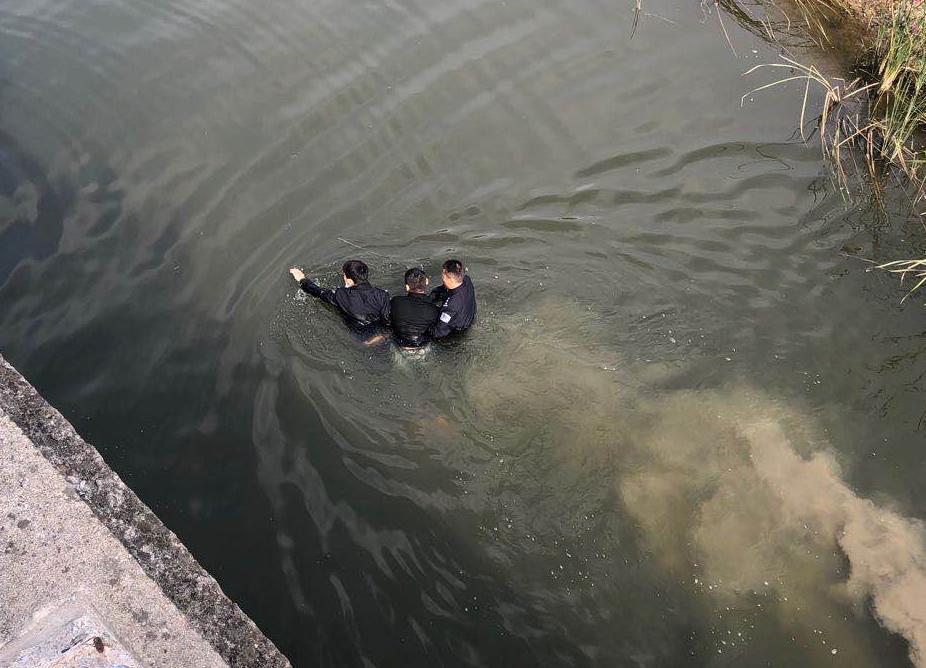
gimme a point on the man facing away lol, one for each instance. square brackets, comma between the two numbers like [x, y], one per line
[360, 303]
[414, 313]
[456, 299]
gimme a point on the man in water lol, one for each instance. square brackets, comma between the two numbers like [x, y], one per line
[456, 299]
[413, 314]
[361, 304]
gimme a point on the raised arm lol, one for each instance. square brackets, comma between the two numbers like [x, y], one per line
[306, 284]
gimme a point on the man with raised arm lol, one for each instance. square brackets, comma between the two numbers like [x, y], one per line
[456, 299]
[359, 302]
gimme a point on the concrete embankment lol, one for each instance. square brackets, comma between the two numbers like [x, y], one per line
[88, 574]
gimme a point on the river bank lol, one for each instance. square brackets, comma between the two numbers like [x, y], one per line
[881, 46]
[88, 572]
[873, 79]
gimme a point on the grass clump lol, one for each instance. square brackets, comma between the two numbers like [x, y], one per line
[880, 114]
[899, 107]
[888, 94]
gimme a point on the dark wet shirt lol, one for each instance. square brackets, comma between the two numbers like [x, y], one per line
[457, 308]
[361, 304]
[412, 317]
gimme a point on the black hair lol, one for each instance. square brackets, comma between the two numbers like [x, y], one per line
[356, 271]
[454, 268]
[416, 279]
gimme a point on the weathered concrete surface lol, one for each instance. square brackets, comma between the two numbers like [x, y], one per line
[78, 550]
[56, 552]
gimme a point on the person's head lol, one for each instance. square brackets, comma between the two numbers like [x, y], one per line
[355, 272]
[452, 274]
[416, 280]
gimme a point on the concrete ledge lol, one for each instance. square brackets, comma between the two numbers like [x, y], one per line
[45, 458]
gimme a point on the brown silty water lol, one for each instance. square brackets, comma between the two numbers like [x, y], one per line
[731, 489]
[682, 382]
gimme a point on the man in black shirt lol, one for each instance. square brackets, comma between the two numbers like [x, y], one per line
[456, 299]
[413, 314]
[361, 304]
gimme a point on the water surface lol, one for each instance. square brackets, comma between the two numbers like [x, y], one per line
[669, 435]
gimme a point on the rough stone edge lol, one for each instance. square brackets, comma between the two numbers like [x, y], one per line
[160, 553]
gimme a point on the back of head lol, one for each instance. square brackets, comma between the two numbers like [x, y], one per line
[416, 280]
[356, 270]
[454, 268]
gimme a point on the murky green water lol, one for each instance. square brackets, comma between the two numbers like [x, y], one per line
[686, 429]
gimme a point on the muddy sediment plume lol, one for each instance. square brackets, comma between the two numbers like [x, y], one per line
[729, 486]
[738, 485]
[886, 552]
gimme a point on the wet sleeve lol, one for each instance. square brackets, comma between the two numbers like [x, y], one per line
[442, 327]
[386, 313]
[440, 330]
[326, 296]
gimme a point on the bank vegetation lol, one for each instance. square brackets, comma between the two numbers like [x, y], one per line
[872, 121]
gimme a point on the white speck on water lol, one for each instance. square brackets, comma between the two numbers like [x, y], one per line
[833, 651]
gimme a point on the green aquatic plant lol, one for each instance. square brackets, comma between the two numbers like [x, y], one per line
[900, 106]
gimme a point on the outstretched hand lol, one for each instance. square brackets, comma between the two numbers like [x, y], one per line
[297, 273]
